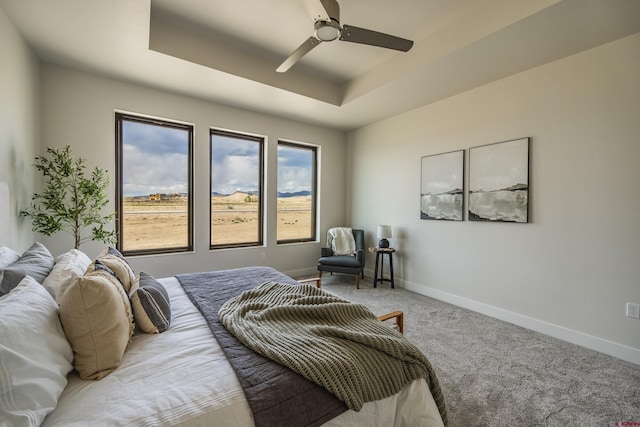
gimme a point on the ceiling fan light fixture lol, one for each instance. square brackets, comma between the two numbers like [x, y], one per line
[326, 15]
[327, 31]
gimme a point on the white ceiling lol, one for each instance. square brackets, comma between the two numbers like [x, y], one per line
[227, 51]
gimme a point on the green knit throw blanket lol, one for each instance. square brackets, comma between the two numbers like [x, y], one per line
[337, 344]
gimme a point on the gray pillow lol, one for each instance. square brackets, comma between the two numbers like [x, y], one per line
[36, 262]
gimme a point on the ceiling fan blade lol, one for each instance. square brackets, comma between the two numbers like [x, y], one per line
[301, 51]
[374, 38]
[316, 10]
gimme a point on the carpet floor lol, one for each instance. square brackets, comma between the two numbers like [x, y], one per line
[494, 373]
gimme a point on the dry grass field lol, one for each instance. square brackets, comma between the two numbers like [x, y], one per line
[153, 224]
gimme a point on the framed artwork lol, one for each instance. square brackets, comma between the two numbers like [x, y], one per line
[499, 182]
[442, 186]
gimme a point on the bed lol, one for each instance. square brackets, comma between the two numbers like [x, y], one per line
[184, 375]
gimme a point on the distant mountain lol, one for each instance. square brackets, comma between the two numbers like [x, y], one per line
[250, 192]
[294, 194]
[255, 193]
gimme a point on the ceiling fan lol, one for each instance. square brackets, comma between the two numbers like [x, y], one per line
[326, 15]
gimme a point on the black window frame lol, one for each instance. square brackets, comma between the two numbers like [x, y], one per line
[119, 118]
[314, 192]
[261, 216]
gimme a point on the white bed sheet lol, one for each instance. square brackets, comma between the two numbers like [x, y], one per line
[182, 378]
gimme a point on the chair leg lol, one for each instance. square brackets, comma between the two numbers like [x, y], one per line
[316, 280]
[357, 281]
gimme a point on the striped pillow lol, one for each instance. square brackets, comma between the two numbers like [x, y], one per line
[150, 302]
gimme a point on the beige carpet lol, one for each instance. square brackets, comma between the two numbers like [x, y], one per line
[496, 374]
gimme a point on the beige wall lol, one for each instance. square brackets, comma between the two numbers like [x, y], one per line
[567, 273]
[78, 109]
[19, 74]
[571, 270]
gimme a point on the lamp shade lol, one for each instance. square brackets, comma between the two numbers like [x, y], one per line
[384, 232]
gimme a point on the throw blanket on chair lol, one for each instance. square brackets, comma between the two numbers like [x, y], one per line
[331, 341]
[341, 241]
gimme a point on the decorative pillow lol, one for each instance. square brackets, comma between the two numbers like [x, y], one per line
[112, 258]
[150, 303]
[69, 266]
[8, 256]
[96, 317]
[36, 262]
[35, 355]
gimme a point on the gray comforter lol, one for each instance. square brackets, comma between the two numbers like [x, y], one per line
[277, 395]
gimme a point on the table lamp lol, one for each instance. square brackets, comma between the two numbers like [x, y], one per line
[384, 233]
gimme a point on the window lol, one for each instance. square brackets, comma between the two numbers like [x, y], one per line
[296, 192]
[236, 189]
[153, 185]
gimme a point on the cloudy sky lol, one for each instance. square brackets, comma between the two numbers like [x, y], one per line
[155, 161]
[294, 169]
[235, 165]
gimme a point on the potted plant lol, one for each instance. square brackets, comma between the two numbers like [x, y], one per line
[70, 201]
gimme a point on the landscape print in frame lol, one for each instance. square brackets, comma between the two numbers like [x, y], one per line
[441, 189]
[499, 182]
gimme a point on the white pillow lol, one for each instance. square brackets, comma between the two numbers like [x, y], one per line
[34, 353]
[8, 256]
[69, 266]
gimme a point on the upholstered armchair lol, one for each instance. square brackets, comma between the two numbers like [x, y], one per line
[346, 264]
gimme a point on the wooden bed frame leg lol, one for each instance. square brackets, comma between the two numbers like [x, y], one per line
[316, 280]
[399, 316]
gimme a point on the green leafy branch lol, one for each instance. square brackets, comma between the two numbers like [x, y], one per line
[70, 201]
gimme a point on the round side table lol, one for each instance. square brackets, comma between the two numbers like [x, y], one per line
[380, 253]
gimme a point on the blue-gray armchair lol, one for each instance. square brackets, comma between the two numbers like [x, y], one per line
[347, 264]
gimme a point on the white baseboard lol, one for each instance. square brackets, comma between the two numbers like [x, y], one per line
[611, 348]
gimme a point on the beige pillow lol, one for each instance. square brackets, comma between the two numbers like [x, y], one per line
[96, 317]
[113, 259]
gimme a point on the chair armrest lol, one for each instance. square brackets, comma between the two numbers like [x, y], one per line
[326, 252]
[398, 315]
[317, 280]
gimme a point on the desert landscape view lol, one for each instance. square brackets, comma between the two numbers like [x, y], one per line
[160, 221]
